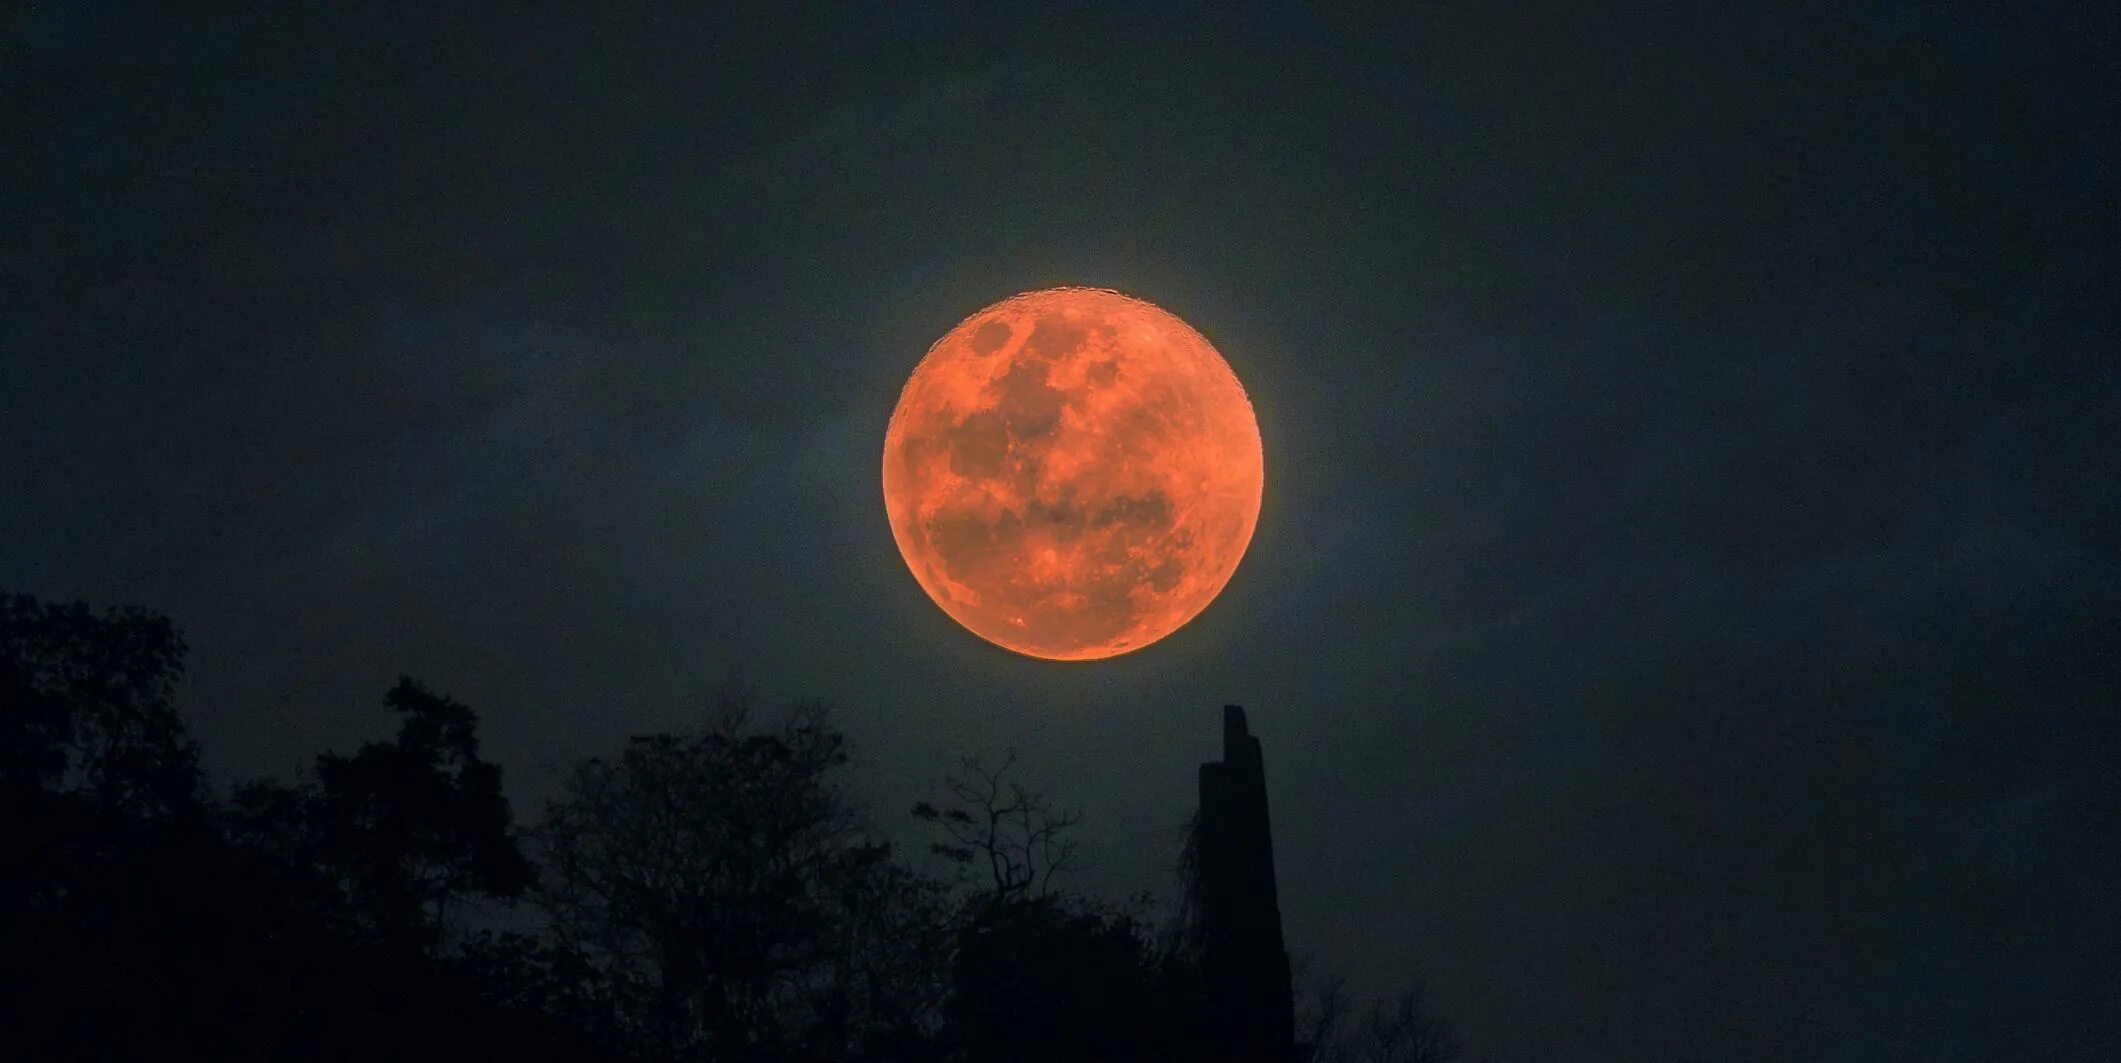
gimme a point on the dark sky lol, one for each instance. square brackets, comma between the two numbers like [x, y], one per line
[1682, 622]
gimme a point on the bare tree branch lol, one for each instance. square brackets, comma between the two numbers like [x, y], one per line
[1018, 834]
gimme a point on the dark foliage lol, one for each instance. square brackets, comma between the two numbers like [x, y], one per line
[709, 895]
[398, 832]
[85, 708]
[1042, 979]
[724, 888]
[143, 921]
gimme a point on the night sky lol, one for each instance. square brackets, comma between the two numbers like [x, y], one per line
[1682, 621]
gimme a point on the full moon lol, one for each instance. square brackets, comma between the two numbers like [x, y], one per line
[1073, 473]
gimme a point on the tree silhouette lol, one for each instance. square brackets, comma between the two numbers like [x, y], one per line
[401, 830]
[411, 826]
[1055, 978]
[1018, 836]
[85, 707]
[725, 883]
[99, 789]
[141, 920]
[1040, 973]
[713, 894]
[524, 974]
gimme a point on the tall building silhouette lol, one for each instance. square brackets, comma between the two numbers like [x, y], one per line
[1245, 965]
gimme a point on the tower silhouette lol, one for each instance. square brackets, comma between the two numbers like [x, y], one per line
[1245, 965]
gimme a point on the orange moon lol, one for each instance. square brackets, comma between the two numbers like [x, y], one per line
[1073, 473]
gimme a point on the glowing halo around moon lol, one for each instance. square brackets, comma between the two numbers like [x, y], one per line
[1073, 473]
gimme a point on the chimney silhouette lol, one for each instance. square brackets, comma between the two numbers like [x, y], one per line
[1245, 965]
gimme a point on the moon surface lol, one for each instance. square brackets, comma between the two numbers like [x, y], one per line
[1073, 473]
